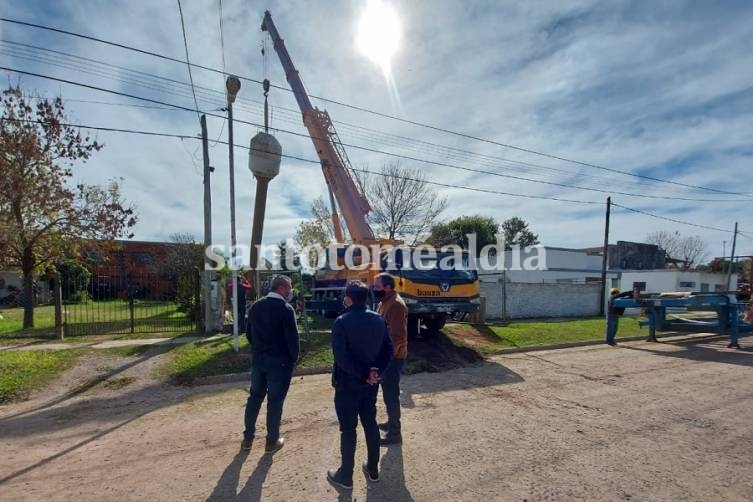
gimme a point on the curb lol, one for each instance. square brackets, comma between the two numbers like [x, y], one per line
[246, 376]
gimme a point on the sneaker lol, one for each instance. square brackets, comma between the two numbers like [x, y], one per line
[389, 439]
[275, 447]
[651, 339]
[372, 476]
[336, 477]
[734, 345]
[612, 343]
[246, 444]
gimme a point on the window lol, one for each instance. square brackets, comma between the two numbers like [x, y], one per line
[142, 258]
[704, 287]
[720, 288]
[687, 284]
[640, 285]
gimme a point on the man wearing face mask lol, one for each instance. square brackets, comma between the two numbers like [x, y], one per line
[273, 334]
[395, 312]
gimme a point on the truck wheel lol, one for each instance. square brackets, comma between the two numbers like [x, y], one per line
[433, 325]
[413, 321]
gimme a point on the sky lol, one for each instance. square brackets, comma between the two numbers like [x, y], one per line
[658, 89]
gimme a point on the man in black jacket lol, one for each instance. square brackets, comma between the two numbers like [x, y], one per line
[362, 348]
[273, 335]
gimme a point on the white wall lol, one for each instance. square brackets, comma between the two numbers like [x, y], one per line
[660, 281]
[528, 300]
[561, 265]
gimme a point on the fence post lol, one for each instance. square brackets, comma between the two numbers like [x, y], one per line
[131, 308]
[58, 298]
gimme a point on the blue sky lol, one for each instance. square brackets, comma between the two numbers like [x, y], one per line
[662, 89]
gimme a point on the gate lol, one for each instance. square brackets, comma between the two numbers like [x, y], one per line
[109, 302]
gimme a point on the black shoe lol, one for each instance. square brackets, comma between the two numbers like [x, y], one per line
[612, 343]
[275, 447]
[246, 444]
[389, 439]
[384, 426]
[372, 476]
[734, 345]
[336, 477]
[651, 339]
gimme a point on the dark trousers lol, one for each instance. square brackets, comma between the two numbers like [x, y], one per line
[270, 378]
[391, 394]
[354, 400]
[612, 324]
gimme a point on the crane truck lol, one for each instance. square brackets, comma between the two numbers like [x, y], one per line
[432, 294]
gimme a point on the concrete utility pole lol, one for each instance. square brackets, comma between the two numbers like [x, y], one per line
[603, 294]
[730, 266]
[233, 85]
[207, 283]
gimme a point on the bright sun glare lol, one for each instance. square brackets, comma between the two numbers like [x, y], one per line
[379, 33]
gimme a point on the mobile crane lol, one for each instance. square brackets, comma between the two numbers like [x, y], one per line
[431, 294]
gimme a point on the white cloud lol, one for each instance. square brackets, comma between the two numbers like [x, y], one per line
[660, 90]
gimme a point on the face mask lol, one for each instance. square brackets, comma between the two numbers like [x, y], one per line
[379, 294]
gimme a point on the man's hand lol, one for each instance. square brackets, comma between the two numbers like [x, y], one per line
[373, 377]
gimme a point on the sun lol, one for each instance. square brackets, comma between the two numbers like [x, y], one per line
[379, 33]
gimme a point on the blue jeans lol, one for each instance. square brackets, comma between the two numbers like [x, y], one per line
[354, 400]
[612, 322]
[391, 394]
[270, 378]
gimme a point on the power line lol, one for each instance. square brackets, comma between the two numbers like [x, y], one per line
[681, 222]
[311, 161]
[441, 164]
[380, 114]
[188, 60]
[407, 178]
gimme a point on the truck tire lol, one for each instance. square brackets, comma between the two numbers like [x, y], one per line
[433, 325]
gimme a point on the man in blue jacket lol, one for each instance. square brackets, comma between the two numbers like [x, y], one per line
[273, 335]
[362, 349]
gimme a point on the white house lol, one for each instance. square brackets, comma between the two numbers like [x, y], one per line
[665, 280]
[549, 265]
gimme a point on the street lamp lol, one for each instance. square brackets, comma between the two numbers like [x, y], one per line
[233, 85]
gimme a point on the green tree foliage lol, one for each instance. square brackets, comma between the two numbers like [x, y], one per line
[43, 217]
[516, 231]
[456, 231]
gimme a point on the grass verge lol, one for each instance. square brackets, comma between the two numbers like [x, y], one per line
[489, 339]
[217, 357]
[22, 372]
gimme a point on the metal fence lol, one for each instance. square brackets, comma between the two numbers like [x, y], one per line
[110, 303]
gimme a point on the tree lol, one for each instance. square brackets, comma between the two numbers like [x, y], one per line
[318, 230]
[283, 250]
[183, 262]
[517, 232]
[404, 206]
[42, 217]
[455, 231]
[690, 250]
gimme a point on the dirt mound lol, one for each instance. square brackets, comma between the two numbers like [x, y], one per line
[438, 353]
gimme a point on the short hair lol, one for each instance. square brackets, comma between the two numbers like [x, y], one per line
[614, 291]
[358, 292]
[280, 280]
[386, 279]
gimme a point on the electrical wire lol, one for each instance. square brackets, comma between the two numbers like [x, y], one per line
[188, 60]
[371, 150]
[430, 148]
[375, 113]
[673, 220]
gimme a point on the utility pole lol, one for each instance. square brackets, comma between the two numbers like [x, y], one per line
[207, 283]
[233, 85]
[603, 294]
[731, 259]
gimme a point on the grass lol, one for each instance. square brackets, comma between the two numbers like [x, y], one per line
[105, 316]
[22, 372]
[490, 338]
[217, 357]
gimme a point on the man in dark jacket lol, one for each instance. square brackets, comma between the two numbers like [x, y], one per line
[273, 335]
[362, 349]
[614, 313]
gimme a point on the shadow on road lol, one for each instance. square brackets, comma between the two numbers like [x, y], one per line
[701, 350]
[227, 486]
[391, 485]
